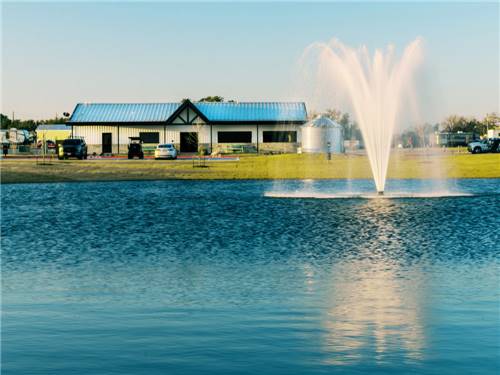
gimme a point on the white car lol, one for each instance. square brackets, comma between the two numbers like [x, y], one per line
[165, 151]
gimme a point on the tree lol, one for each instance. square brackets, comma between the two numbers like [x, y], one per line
[456, 123]
[55, 120]
[491, 121]
[350, 128]
[7, 123]
[346, 125]
[410, 139]
[453, 123]
[334, 114]
[214, 98]
[423, 133]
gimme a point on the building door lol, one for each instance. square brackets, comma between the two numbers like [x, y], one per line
[189, 142]
[106, 143]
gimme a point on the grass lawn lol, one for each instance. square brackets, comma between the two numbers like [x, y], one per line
[403, 164]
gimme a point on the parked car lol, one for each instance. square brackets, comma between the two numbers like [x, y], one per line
[73, 148]
[135, 148]
[484, 145]
[50, 144]
[165, 151]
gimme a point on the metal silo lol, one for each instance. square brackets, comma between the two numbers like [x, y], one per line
[320, 133]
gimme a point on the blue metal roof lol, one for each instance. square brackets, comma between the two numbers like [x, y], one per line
[53, 127]
[253, 111]
[214, 112]
[145, 112]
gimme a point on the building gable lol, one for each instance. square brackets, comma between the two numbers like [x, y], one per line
[187, 117]
[187, 114]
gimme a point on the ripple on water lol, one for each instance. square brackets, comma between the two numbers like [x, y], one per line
[172, 276]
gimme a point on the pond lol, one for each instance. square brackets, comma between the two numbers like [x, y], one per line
[213, 277]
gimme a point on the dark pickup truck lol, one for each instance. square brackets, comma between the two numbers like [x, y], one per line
[73, 148]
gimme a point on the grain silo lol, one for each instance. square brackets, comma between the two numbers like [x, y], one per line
[322, 135]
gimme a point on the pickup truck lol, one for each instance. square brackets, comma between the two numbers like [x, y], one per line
[484, 145]
[73, 148]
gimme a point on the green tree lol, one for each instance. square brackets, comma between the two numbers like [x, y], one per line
[214, 98]
[5, 121]
[350, 128]
[55, 120]
[455, 123]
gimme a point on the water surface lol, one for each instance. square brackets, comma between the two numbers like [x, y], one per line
[190, 277]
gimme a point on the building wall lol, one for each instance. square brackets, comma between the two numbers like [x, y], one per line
[274, 146]
[493, 133]
[171, 134]
[93, 135]
[53, 135]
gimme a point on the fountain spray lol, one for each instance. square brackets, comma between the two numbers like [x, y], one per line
[375, 86]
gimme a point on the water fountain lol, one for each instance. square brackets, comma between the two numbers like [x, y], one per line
[375, 85]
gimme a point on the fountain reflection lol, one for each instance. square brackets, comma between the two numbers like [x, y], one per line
[373, 315]
[374, 312]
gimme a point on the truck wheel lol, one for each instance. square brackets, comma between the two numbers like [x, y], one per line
[477, 150]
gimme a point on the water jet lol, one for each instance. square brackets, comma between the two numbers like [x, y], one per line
[375, 86]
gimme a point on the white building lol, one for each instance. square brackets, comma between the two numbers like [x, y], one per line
[106, 128]
[493, 133]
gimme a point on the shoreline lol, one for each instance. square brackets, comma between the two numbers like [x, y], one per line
[233, 180]
[404, 165]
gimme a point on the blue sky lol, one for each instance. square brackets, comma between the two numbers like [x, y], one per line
[57, 54]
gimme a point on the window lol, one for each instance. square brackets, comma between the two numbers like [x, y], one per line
[150, 137]
[234, 137]
[279, 136]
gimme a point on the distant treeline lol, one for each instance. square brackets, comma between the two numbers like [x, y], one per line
[420, 135]
[7, 123]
